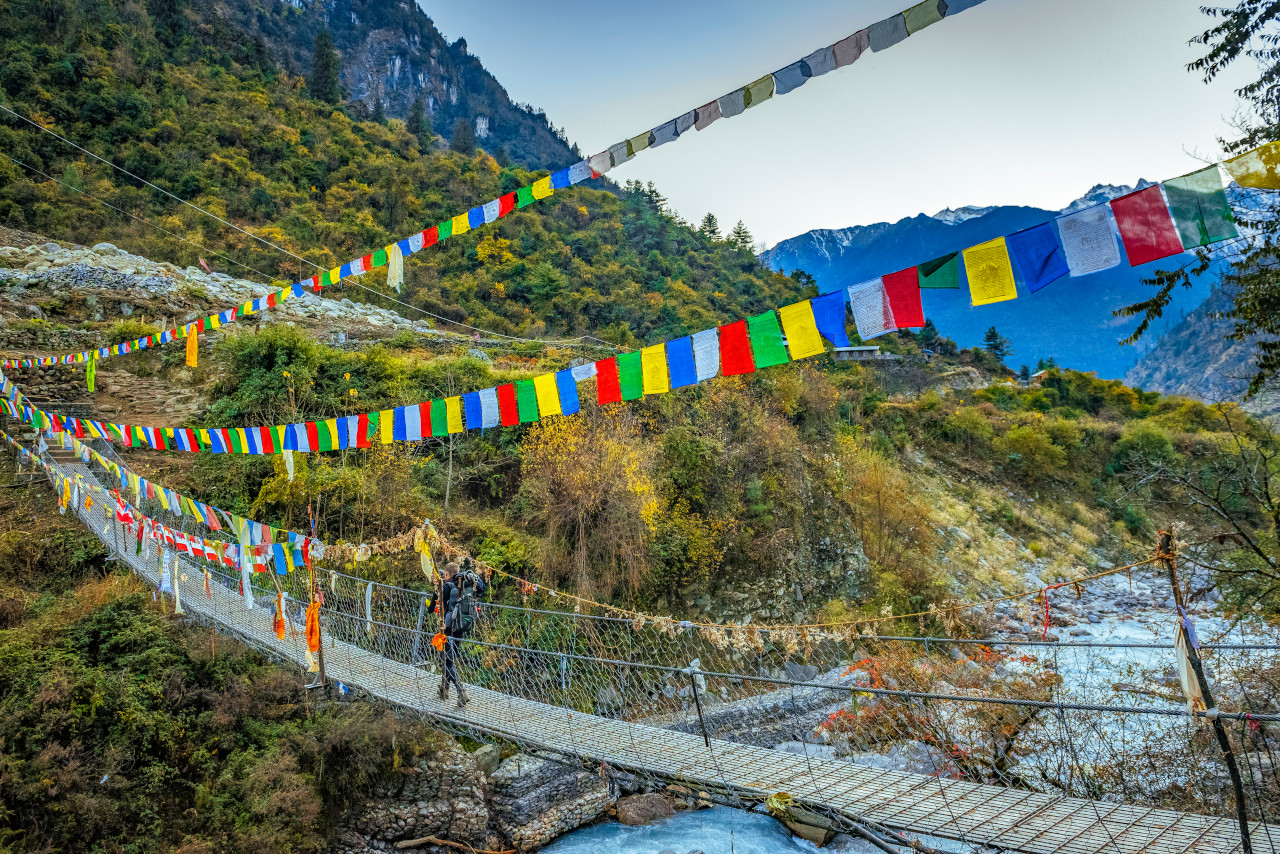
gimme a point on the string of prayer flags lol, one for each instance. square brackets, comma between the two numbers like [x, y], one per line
[801, 329]
[767, 348]
[735, 350]
[706, 353]
[1259, 168]
[680, 362]
[653, 367]
[548, 395]
[1200, 208]
[631, 375]
[943, 272]
[1088, 241]
[903, 288]
[872, 314]
[1146, 228]
[829, 314]
[1038, 256]
[990, 273]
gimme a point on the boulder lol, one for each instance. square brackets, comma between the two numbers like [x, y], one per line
[800, 672]
[637, 810]
[107, 249]
[487, 759]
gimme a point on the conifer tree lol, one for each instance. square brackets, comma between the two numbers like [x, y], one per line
[997, 345]
[1024, 374]
[464, 138]
[741, 237]
[379, 111]
[418, 124]
[325, 68]
[710, 228]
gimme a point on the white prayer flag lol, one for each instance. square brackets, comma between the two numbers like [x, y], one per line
[872, 313]
[706, 354]
[1088, 241]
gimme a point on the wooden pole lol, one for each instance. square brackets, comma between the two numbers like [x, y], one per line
[1165, 551]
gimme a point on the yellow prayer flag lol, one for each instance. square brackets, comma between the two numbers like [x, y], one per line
[653, 369]
[1258, 168]
[244, 439]
[639, 142]
[453, 414]
[548, 395]
[193, 348]
[461, 224]
[213, 321]
[332, 426]
[203, 436]
[990, 274]
[542, 188]
[335, 275]
[387, 426]
[284, 294]
[801, 330]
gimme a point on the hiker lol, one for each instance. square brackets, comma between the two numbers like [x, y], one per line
[456, 602]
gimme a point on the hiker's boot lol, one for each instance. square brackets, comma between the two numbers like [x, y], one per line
[443, 690]
[462, 697]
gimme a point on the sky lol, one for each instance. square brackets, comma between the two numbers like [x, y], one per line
[1016, 102]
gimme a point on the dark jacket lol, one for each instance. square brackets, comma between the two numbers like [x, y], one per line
[444, 601]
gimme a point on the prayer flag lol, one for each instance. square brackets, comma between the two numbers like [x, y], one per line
[582, 373]
[767, 348]
[829, 314]
[568, 388]
[461, 224]
[887, 33]
[472, 411]
[548, 395]
[790, 78]
[366, 426]
[820, 62]
[619, 153]
[445, 229]
[735, 349]
[580, 172]
[331, 431]
[560, 180]
[990, 274]
[475, 217]
[492, 210]
[399, 430]
[508, 411]
[193, 348]
[941, 272]
[872, 314]
[1087, 241]
[733, 104]
[759, 91]
[664, 133]
[413, 431]
[453, 414]
[923, 14]
[387, 426]
[542, 188]
[903, 288]
[527, 401]
[630, 375]
[1146, 228]
[506, 204]
[847, 50]
[1038, 255]
[313, 436]
[435, 416]
[706, 114]
[489, 410]
[524, 197]
[601, 163]
[608, 386]
[706, 353]
[1259, 168]
[653, 367]
[680, 362]
[1200, 208]
[638, 143]
[342, 434]
[801, 329]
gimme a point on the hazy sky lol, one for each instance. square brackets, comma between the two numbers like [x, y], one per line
[1010, 102]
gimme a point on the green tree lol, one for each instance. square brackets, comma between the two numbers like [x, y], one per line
[929, 335]
[418, 124]
[997, 345]
[325, 68]
[379, 112]
[1024, 374]
[464, 138]
[741, 237]
[710, 227]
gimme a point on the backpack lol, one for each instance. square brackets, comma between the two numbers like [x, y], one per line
[463, 614]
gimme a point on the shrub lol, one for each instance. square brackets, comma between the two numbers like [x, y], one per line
[129, 329]
[1030, 454]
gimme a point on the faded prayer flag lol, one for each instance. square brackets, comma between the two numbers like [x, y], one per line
[887, 33]
[1200, 209]
[872, 314]
[1259, 168]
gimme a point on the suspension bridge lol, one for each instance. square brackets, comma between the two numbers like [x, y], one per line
[590, 690]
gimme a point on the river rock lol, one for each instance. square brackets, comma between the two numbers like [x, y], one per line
[637, 810]
[487, 759]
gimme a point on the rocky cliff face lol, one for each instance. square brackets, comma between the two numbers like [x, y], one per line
[391, 51]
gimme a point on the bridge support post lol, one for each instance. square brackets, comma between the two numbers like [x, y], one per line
[693, 674]
[1168, 559]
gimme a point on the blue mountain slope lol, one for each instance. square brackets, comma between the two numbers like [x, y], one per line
[1070, 319]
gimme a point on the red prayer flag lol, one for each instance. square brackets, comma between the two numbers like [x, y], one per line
[313, 436]
[506, 204]
[903, 288]
[430, 236]
[608, 387]
[362, 431]
[367, 262]
[266, 440]
[735, 350]
[315, 284]
[508, 412]
[1146, 227]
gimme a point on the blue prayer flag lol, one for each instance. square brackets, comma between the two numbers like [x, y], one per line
[568, 388]
[475, 217]
[1038, 255]
[342, 434]
[680, 362]
[399, 430]
[560, 180]
[473, 411]
[405, 248]
[251, 442]
[828, 314]
[282, 568]
[215, 442]
[291, 437]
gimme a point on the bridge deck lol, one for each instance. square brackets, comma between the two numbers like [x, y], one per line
[999, 817]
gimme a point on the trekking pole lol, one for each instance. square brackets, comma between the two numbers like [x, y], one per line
[1165, 551]
[693, 674]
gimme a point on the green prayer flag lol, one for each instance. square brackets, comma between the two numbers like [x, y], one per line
[767, 346]
[439, 418]
[1200, 209]
[631, 375]
[237, 446]
[526, 401]
[524, 196]
[371, 432]
[941, 272]
[90, 371]
[380, 258]
[444, 230]
[277, 436]
[324, 439]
